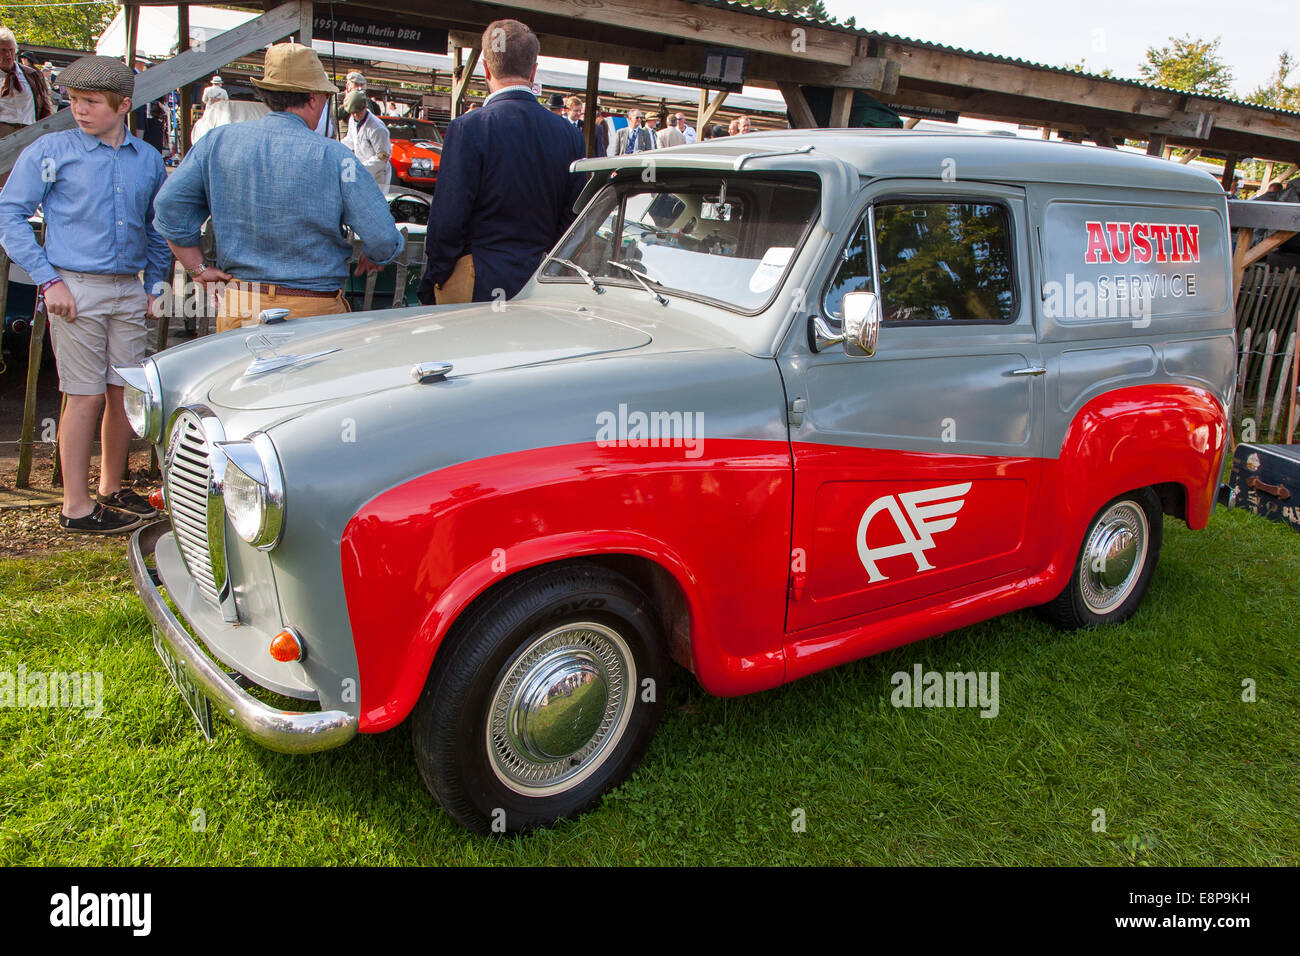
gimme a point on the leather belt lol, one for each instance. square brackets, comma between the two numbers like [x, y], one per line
[265, 289]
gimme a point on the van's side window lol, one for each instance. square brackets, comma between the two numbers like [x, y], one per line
[853, 274]
[944, 261]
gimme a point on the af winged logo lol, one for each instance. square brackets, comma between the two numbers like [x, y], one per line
[918, 516]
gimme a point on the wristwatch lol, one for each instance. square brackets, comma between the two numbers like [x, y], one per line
[194, 273]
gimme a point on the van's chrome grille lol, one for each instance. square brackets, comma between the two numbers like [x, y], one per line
[187, 480]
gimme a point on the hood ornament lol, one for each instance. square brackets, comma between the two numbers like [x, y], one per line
[267, 357]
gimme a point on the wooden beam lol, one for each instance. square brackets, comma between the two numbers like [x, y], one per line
[589, 114]
[183, 68]
[841, 108]
[710, 25]
[910, 122]
[1190, 155]
[462, 74]
[1156, 146]
[709, 111]
[305, 24]
[801, 114]
[763, 70]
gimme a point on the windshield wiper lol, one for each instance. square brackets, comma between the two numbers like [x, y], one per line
[641, 279]
[586, 276]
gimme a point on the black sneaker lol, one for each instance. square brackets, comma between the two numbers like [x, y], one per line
[102, 521]
[128, 501]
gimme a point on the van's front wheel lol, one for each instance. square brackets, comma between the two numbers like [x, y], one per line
[543, 698]
[1115, 564]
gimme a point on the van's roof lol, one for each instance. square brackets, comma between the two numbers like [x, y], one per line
[988, 157]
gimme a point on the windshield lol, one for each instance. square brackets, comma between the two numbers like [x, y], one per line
[413, 130]
[727, 238]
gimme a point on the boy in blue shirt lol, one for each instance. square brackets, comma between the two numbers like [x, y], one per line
[96, 185]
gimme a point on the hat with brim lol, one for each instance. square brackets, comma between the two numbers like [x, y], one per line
[294, 68]
[98, 73]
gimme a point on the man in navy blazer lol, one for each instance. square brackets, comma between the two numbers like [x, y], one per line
[505, 194]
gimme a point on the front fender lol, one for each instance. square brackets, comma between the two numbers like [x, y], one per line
[418, 555]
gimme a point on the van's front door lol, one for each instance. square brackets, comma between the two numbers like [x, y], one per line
[917, 469]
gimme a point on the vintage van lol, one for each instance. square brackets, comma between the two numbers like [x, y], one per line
[776, 402]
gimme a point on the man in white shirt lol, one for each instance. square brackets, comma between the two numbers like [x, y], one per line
[24, 95]
[368, 137]
[688, 132]
[215, 91]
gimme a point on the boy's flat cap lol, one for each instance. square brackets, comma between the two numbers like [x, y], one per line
[98, 73]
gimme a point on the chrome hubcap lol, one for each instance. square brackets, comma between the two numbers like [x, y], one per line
[1114, 555]
[561, 708]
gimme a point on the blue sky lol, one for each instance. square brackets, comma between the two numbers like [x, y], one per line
[1105, 33]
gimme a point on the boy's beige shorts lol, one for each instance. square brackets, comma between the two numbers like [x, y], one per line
[109, 330]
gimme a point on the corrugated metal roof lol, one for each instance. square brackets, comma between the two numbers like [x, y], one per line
[992, 57]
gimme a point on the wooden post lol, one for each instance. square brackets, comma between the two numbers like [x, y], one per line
[1156, 145]
[841, 108]
[1229, 171]
[710, 109]
[1268, 177]
[28, 433]
[305, 23]
[132, 38]
[1239, 400]
[1279, 396]
[183, 44]
[589, 117]
[800, 112]
[1270, 352]
[1295, 395]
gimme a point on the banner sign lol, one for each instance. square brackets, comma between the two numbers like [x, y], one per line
[722, 70]
[385, 33]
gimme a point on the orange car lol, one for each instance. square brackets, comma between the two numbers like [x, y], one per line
[417, 150]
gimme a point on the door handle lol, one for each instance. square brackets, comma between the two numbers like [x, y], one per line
[1032, 370]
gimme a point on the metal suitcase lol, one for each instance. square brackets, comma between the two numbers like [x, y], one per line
[1265, 479]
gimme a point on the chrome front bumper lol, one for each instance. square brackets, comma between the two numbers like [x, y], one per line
[285, 731]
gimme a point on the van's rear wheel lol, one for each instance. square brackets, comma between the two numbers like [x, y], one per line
[1115, 564]
[541, 700]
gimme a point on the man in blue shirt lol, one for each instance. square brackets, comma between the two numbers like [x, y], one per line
[96, 185]
[279, 196]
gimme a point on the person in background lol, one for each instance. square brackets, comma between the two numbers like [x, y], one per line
[214, 91]
[279, 196]
[24, 96]
[556, 104]
[743, 126]
[505, 194]
[731, 127]
[670, 135]
[99, 211]
[1272, 194]
[688, 132]
[574, 109]
[368, 138]
[632, 138]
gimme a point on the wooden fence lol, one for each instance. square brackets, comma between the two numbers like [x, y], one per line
[1268, 305]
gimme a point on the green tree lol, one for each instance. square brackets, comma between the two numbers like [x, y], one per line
[72, 28]
[1188, 64]
[1276, 92]
[816, 9]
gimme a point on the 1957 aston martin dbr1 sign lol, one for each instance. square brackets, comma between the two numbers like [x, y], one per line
[794, 399]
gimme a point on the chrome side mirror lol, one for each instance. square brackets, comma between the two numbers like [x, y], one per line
[861, 323]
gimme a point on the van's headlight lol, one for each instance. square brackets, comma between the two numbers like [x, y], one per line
[252, 488]
[142, 397]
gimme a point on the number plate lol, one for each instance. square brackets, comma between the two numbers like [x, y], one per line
[190, 692]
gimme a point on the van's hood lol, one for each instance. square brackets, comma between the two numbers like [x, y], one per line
[330, 364]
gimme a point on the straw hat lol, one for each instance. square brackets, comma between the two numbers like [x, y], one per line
[294, 68]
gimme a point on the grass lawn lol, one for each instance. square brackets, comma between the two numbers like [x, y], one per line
[1145, 722]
